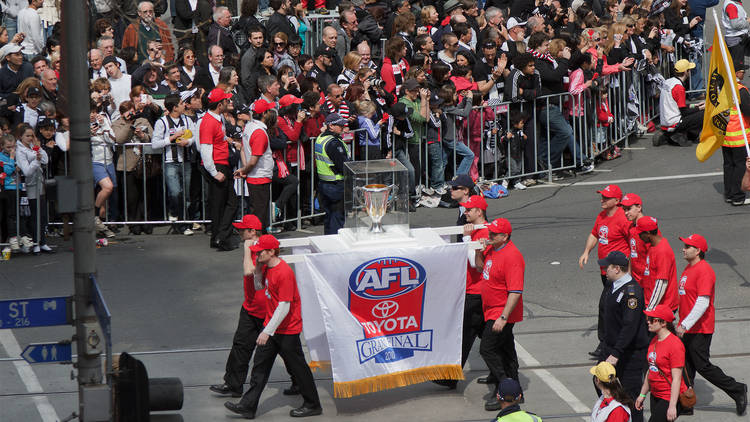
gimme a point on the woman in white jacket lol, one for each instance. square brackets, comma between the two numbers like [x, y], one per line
[32, 160]
[102, 141]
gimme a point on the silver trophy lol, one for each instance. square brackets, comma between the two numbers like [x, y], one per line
[376, 198]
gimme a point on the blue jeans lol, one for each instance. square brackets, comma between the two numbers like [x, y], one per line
[176, 180]
[560, 136]
[11, 24]
[461, 150]
[436, 165]
[331, 197]
[403, 157]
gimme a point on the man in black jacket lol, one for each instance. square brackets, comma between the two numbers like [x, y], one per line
[208, 76]
[219, 34]
[279, 21]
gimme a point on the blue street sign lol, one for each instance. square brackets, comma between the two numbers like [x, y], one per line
[48, 352]
[23, 313]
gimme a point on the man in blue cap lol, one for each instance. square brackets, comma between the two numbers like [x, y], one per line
[330, 154]
[509, 394]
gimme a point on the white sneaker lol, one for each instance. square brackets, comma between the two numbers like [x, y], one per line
[197, 227]
[46, 248]
[505, 183]
[188, 232]
[441, 190]
[519, 186]
[36, 250]
[98, 225]
[27, 242]
[587, 169]
[14, 245]
[428, 191]
[108, 233]
[529, 182]
[172, 219]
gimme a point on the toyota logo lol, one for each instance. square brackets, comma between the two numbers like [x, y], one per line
[384, 309]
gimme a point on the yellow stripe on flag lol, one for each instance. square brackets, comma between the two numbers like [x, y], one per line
[718, 103]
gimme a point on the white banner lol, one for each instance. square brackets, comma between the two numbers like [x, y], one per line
[386, 319]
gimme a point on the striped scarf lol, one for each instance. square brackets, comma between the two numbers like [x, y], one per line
[343, 108]
[545, 56]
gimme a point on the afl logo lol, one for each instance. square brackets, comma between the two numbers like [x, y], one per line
[384, 309]
[386, 278]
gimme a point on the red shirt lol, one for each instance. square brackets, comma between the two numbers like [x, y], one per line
[698, 280]
[660, 265]
[612, 233]
[638, 253]
[212, 132]
[665, 355]
[678, 93]
[281, 286]
[473, 275]
[618, 414]
[258, 145]
[255, 300]
[502, 274]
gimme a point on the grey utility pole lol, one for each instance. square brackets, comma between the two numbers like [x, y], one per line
[94, 402]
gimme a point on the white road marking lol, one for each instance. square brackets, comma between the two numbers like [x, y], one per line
[555, 384]
[27, 375]
[633, 180]
[602, 170]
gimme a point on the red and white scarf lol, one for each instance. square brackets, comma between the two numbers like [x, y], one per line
[543, 56]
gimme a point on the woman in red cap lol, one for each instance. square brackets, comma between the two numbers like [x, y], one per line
[666, 359]
[696, 311]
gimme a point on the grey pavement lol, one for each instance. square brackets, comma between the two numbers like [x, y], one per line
[174, 303]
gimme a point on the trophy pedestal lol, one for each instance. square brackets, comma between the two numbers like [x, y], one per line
[394, 238]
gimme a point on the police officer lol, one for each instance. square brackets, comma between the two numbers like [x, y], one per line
[330, 154]
[625, 332]
[509, 394]
[733, 149]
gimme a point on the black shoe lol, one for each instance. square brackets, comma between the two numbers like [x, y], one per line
[293, 390]
[303, 411]
[657, 140]
[238, 409]
[135, 230]
[225, 390]
[686, 412]
[492, 404]
[451, 384]
[596, 353]
[489, 379]
[412, 207]
[214, 244]
[741, 401]
[225, 246]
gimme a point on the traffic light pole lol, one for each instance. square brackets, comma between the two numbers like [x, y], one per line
[75, 96]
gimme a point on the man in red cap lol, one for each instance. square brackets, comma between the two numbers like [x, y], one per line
[475, 209]
[696, 327]
[214, 145]
[283, 325]
[258, 162]
[632, 205]
[610, 232]
[660, 273]
[502, 288]
[252, 315]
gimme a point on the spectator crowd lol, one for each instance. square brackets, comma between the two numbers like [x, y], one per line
[489, 88]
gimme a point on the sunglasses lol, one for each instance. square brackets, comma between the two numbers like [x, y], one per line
[597, 39]
[457, 187]
[280, 44]
[630, 26]
[454, 45]
[651, 320]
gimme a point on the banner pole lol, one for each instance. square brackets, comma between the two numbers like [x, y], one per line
[732, 78]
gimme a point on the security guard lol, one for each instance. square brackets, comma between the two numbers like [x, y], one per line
[625, 332]
[330, 154]
[509, 394]
[733, 149]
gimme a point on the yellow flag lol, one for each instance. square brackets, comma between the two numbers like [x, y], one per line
[718, 102]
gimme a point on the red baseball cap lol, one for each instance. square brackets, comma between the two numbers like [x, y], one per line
[630, 199]
[696, 240]
[261, 106]
[661, 312]
[475, 201]
[288, 100]
[646, 224]
[218, 94]
[611, 191]
[500, 225]
[249, 221]
[266, 241]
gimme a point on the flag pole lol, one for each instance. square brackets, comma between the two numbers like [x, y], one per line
[732, 78]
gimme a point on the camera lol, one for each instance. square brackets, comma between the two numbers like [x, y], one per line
[377, 82]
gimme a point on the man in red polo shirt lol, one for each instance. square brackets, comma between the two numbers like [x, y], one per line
[283, 325]
[632, 205]
[502, 302]
[660, 273]
[610, 233]
[214, 143]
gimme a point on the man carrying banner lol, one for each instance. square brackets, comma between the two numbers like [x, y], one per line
[502, 288]
[283, 324]
[683, 123]
[733, 149]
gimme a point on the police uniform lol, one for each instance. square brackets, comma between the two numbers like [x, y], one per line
[330, 153]
[515, 414]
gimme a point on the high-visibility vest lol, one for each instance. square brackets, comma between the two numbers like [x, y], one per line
[323, 163]
[733, 137]
[520, 416]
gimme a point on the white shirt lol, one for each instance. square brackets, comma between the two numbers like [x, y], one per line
[214, 74]
[96, 74]
[30, 24]
[120, 92]
[30, 115]
[190, 73]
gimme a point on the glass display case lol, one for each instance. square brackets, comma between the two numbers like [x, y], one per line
[376, 200]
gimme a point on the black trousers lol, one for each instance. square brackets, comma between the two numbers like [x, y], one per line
[289, 347]
[659, 409]
[223, 202]
[697, 355]
[38, 233]
[260, 197]
[499, 351]
[630, 369]
[734, 169]
[416, 161]
[606, 284]
[287, 198]
[473, 324]
[691, 125]
[243, 344]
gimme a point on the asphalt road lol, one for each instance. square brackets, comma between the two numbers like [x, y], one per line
[174, 303]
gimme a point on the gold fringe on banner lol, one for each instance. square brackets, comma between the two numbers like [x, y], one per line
[397, 379]
[319, 364]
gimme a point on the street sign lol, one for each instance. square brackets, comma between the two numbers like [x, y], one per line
[48, 352]
[23, 313]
